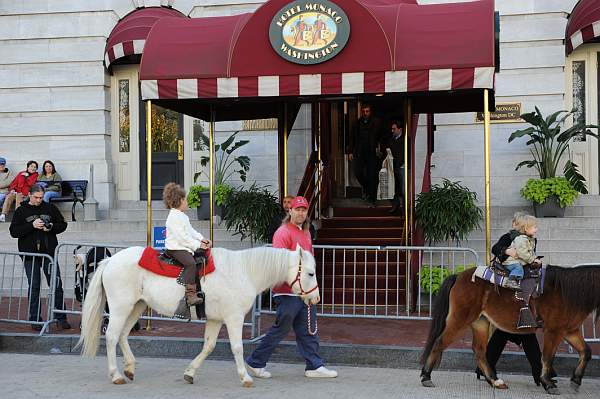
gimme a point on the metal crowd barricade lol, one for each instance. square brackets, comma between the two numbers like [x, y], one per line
[383, 282]
[15, 290]
[64, 256]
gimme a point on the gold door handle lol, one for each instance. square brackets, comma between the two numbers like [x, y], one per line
[180, 150]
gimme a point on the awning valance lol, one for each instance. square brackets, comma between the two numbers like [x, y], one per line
[128, 37]
[394, 47]
[584, 24]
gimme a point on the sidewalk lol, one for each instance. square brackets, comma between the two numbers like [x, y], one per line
[73, 377]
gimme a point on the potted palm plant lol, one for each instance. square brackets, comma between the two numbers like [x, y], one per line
[548, 145]
[226, 164]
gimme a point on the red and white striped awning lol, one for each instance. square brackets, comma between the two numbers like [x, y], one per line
[128, 37]
[584, 25]
[395, 46]
[320, 84]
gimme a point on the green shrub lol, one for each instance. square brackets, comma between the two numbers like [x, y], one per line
[193, 198]
[222, 193]
[538, 190]
[433, 277]
[447, 212]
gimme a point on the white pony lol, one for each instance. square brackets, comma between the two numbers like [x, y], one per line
[230, 292]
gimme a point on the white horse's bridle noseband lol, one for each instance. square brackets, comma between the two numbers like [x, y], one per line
[297, 280]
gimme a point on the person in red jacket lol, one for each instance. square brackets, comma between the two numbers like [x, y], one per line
[19, 188]
[291, 310]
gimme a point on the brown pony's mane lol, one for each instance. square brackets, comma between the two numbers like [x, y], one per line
[578, 286]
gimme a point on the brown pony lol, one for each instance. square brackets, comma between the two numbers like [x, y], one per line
[570, 295]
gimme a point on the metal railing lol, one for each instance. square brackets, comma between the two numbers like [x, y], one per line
[382, 282]
[64, 254]
[24, 298]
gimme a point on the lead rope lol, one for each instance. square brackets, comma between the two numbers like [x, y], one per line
[309, 323]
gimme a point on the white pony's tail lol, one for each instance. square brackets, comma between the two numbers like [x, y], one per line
[93, 310]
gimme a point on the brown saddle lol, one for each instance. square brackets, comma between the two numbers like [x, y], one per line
[532, 286]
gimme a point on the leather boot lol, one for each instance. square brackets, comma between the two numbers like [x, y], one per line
[191, 295]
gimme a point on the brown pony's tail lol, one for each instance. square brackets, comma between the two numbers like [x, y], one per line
[441, 307]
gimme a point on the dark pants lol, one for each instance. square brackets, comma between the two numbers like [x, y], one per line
[32, 269]
[530, 347]
[398, 182]
[366, 167]
[188, 262]
[291, 312]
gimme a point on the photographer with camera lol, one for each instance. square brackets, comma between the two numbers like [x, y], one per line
[36, 224]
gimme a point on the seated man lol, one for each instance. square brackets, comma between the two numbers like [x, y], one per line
[6, 178]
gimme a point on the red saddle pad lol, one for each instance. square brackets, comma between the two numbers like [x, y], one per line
[151, 262]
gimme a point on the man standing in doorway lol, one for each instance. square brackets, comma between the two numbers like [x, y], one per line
[396, 146]
[291, 309]
[366, 154]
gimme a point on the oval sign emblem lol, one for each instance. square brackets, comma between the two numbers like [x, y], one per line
[309, 32]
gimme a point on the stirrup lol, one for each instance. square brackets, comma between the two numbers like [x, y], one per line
[526, 319]
[183, 311]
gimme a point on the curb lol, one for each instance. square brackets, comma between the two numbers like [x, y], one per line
[341, 354]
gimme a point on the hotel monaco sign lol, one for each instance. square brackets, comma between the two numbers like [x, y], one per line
[309, 32]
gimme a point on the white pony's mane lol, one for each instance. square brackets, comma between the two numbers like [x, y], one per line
[265, 266]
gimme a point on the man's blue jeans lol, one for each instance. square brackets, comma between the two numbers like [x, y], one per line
[291, 312]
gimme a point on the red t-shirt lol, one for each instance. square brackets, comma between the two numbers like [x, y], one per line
[287, 236]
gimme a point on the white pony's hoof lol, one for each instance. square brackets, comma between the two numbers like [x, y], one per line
[119, 381]
[249, 383]
[188, 378]
[500, 384]
[129, 374]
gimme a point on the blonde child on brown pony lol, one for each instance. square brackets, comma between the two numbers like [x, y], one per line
[524, 245]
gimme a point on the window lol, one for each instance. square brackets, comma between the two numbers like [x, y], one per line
[124, 116]
[579, 94]
[165, 128]
[198, 129]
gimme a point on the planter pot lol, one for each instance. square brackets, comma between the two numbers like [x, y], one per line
[425, 299]
[219, 211]
[549, 209]
[204, 209]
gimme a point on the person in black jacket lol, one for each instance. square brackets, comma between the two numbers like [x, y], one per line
[501, 250]
[365, 154]
[36, 224]
[396, 146]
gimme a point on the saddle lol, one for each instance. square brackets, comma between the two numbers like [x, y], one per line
[532, 286]
[201, 258]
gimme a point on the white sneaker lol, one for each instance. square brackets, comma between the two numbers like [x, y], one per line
[259, 373]
[2, 217]
[321, 372]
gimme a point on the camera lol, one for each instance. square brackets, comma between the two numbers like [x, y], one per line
[47, 223]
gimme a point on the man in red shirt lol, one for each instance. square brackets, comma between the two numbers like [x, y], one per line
[291, 309]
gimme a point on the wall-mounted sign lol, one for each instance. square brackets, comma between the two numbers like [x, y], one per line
[309, 32]
[504, 113]
[260, 124]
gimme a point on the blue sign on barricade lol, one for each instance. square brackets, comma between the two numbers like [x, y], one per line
[158, 237]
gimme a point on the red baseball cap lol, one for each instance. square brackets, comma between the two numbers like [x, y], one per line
[299, 202]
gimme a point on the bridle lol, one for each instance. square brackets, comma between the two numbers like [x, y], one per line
[302, 292]
[297, 280]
